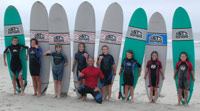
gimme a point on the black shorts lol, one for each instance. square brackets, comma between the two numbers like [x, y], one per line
[83, 90]
[153, 80]
[35, 69]
[57, 75]
[16, 69]
[128, 79]
[183, 83]
[108, 77]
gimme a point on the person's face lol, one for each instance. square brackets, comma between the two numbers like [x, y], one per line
[105, 50]
[183, 57]
[129, 55]
[58, 49]
[90, 62]
[81, 47]
[33, 43]
[15, 41]
[154, 56]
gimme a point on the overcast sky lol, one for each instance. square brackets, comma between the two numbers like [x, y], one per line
[165, 7]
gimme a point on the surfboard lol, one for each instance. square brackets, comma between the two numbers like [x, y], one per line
[136, 41]
[182, 41]
[39, 31]
[13, 28]
[84, 32]
[156, 41]
[59, 33]
[111, 33]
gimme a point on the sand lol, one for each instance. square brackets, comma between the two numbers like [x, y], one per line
[167, 101]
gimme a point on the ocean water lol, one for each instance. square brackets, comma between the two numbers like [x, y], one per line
[169, 45]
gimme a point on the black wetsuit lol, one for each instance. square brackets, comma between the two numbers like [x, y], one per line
[34, 61]
[15, 61]
[128, 66]
[106, 67]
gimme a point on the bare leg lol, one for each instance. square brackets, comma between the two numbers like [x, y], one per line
[132, 93]
[126, 92]
[186, 96]
[59, 88]
[103, 92]
[14, 84]
[156, 94]
[56, 88]
[180, 96]
[21, 85]
[109, 92]
[38, 85]
[151, 94]
[34, 85]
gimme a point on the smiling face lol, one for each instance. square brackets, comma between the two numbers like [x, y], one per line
[183, 57]
[90, 62]
[81, 47]
[58, 49]
[105, 50]
[33, 43]
[15, 41]
[154, 56]
[129, 55]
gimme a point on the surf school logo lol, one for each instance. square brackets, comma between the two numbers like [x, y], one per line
[156, 39]
[181, 35]
[136, 33]
[111, 38]
[182, 68]
[13, 30]
[84, 37]
[39, 36]
[153, 66]
[58, 39]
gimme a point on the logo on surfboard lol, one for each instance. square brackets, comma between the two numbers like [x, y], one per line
[84, 37]
[156, 39]
[13, 30]
[181, 35]
[136, 33]
[58, 39]
[39, 36]
[111, 37]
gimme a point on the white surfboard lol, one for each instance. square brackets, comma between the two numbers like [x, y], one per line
[111, 32]
[39, 30]
[59, 33]
[84, 32]
[156, 41]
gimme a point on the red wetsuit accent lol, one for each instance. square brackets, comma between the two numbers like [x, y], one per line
[188, 70]
[91, 75]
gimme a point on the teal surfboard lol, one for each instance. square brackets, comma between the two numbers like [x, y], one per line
[13, 28]
[136, 41]
[182, 40]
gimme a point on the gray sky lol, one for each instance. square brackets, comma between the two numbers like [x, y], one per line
[165, 7]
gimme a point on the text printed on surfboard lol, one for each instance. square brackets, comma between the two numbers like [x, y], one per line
[182, 34]
[84, 37]
[41, 36]
[111, 37]
[136, 33]
[11, 30]
[59, 38]
[156, 39]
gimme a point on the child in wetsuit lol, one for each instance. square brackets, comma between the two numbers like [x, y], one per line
[80, 59]
[154, 69]
[128, 65]
[59, 62]
[15, 62]
[35, 53]
[107, 66]
[184, 69]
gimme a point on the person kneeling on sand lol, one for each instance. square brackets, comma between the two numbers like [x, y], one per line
[91, 75]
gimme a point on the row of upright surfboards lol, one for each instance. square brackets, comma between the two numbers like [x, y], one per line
[141, 38]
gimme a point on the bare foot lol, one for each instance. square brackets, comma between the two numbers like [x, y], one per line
[35, 94]
[58, 96]
[125, 100]
[14, 93]
[109, 99]
[178, 104]
[186, 105]
[84, 98]
[132, 100]
[38, 94]
[22, 93]
[55, 96]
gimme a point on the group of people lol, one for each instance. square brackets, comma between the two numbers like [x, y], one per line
[88, 74]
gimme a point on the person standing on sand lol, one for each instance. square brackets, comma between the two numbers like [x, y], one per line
[91, 75]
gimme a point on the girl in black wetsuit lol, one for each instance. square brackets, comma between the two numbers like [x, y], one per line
[154, 69]
[127, 67]
[35, 53]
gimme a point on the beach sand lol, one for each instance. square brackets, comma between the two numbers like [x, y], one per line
[167, 101]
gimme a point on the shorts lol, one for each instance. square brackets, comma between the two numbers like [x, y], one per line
[57, 75]
[79, 78]
[35, 69]
[128, 79]
[108, 77]
[83, 90]
[16, 69]
[153, 81]
[183, 83]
